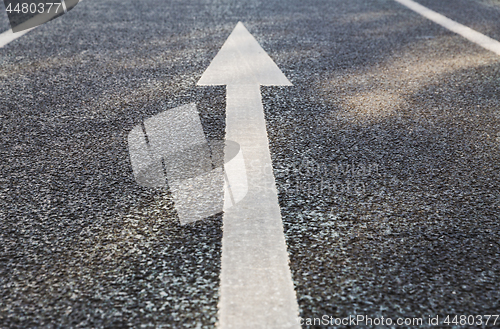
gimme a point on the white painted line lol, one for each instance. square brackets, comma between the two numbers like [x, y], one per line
[466, 32]
[256, 288]
[171, 149]
[9, 36]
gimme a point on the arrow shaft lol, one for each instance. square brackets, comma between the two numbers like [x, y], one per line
[256, 286]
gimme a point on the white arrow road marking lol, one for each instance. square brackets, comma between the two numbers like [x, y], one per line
[256, 288]
[466, 32]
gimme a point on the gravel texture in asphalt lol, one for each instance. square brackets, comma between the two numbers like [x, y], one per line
[386, 154]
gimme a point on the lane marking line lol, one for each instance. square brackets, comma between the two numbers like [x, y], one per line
[9, 36]
[466, 32]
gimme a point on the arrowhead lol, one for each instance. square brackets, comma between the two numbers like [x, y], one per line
[242, 61]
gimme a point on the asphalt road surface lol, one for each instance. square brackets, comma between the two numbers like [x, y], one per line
[386, 154]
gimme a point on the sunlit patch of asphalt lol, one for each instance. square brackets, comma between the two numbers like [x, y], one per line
[368, 94]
